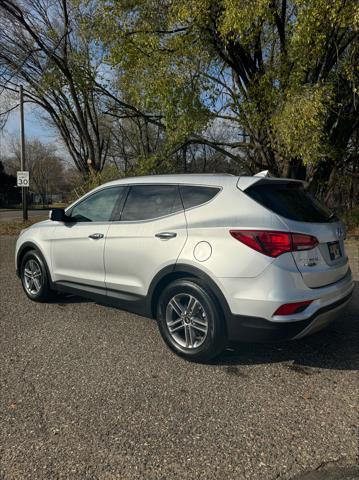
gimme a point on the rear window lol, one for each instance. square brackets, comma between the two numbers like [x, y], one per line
[192, 196]
[291, 200]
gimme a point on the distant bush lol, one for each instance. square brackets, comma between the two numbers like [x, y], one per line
[351, 220]
[95, 179]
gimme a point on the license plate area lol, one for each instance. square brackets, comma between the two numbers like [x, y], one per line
[334, 250]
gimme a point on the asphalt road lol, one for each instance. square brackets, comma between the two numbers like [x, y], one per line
[89, 392]
[9, 215]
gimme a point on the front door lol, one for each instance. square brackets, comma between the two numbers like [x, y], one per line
[77, 246]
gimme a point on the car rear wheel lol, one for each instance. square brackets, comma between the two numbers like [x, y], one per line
[34, 277]
[190, 321]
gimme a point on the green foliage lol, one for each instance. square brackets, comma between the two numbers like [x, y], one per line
[277, 67]
[299, 124]
[243, 18]
[155, 72]
[93, 180]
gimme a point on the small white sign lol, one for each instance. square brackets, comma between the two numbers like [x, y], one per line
[22, 179]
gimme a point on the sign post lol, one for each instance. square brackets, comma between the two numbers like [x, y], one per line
[22, 157]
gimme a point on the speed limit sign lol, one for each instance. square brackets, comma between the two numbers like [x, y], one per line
[22, 179]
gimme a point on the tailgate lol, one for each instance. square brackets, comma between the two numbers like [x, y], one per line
[302, 213]
[327, 263]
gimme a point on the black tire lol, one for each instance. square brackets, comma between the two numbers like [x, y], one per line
[208, 311]
[44, 292]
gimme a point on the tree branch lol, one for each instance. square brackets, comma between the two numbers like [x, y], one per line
[9, 110]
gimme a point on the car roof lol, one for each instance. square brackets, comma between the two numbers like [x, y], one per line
[215, 179]
[219, 179]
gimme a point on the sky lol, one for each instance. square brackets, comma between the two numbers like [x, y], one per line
[34, 128]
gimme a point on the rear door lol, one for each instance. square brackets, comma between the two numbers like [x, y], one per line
[302, 213]
[148, 236]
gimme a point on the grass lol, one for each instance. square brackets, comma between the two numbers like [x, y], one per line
[15, 227]
[37, 207]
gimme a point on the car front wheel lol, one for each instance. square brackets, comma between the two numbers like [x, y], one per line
[34, 277]
[190, 321]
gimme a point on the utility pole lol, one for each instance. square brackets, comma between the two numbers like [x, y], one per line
[22, 153]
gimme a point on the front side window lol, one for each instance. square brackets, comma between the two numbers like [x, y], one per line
[145, 202]
[98, 207]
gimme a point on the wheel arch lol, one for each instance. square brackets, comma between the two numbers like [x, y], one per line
[28, 247]
[174, 272]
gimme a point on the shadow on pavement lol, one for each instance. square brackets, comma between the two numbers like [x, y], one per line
[64, 299]
[336, 347]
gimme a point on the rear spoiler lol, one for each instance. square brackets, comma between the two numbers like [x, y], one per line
[245, 182]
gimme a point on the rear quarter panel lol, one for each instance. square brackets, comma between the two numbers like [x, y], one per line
[211, 223]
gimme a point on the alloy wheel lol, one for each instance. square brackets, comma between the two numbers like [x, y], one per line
[32, 277]
[186, 320]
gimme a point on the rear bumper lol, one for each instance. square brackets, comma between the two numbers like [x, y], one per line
[256, 329]
[252, 303]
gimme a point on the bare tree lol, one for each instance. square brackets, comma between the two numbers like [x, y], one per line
[134, 140]
[47, 170]
[45, 47]
[7, 105]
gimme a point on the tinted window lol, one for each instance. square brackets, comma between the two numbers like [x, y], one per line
[193, 196]
[290, 200]
[98, 207]
[151, 201]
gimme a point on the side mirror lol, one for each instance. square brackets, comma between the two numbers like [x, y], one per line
[58, 215]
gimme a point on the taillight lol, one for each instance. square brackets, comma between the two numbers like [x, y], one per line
[273, 243]
[291, 308]
[303, 242]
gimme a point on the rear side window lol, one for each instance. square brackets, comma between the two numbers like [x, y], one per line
[145, 202]
[192, 196]
[290, 200]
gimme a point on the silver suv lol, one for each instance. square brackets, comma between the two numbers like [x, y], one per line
[213, 257]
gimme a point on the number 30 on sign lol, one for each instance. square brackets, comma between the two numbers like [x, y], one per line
[22, 179]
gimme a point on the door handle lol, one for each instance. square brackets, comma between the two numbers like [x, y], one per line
[166, 235]
[96, 236]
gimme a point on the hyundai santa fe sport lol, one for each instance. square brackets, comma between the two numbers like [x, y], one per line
[214, 258]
